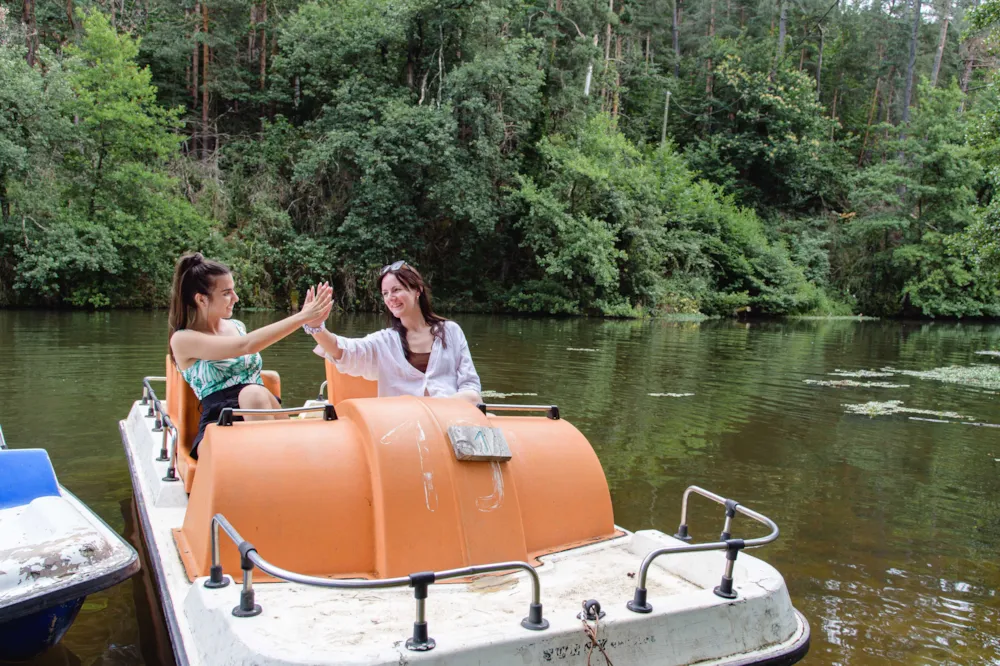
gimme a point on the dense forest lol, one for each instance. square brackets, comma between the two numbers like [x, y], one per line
[615, 157]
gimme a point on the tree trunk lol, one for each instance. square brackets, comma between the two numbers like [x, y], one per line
[914, 35]
[709, 78]
[647, 51]
[892, 92]
[871, 116]
[204, 82]
[30, 31]
[607, 56]
[819, 64]
[590, 71]
[4, 201]
[607, 34]
[69, 15]
[252, 35]
[945, 19]
[676, 39]
[195, 76]
[618, 77]
[263, 44]
[782, 26]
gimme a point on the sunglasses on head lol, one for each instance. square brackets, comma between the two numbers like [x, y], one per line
[394, 266]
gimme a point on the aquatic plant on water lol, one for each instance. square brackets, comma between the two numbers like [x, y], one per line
[981, 376]
[890, 407]
[501, 396]
[860, 373]
[850, 383]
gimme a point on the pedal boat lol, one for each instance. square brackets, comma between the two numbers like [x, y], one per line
[370, 530]
[54, 551]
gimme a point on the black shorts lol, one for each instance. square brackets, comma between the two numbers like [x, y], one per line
[212, 406]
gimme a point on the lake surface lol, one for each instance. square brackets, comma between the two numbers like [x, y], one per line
[890, 525]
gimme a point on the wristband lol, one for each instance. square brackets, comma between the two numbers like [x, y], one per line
[313, 330]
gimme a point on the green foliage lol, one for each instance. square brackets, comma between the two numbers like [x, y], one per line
[613, 229]
[511, 150]
[902, 253]
[109, 232]
[775, 150]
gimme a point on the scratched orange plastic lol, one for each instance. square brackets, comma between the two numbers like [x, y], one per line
[343, 387]
[379, 493]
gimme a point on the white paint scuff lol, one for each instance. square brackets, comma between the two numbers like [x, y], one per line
[494, 500]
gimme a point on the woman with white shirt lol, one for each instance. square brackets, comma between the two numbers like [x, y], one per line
[420, 354]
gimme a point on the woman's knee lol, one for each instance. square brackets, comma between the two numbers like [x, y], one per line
[256, 396]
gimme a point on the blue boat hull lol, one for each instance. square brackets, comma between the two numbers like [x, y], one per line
[73, 555]
[31, 635]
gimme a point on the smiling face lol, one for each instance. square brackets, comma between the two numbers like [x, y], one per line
[399, 299]
[218, 304]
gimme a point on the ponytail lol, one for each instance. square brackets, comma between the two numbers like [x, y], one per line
[193, 274]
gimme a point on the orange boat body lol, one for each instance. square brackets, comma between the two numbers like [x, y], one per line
[380, 493]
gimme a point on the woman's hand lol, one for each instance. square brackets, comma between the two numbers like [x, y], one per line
[318, 303]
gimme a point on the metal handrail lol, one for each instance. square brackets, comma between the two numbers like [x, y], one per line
[3, 442]
[164, 424]
[420, 641]
[552, 411]
[638, 604]
[227, 413]
[322, 391]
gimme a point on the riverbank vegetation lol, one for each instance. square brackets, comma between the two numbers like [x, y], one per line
[620, 158]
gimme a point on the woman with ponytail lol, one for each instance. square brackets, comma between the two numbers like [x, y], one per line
[420, 353]
[214, 353]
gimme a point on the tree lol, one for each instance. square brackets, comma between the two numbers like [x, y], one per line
[118, 223]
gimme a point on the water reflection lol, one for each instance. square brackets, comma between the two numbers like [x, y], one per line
[890, 526]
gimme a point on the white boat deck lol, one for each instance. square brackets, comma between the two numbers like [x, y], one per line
[475, 622]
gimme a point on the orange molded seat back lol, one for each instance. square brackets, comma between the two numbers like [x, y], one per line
[379, 492]
[340, 387]
[184, 409]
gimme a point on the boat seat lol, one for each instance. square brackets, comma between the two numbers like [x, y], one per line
[184, 409]
[340, 387]
[28, 475]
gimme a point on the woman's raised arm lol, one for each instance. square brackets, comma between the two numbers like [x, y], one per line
[189, 345]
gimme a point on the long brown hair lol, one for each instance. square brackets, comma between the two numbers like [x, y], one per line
[193, 274]
[412, 280]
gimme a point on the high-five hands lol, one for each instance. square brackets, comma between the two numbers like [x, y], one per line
[318, 303]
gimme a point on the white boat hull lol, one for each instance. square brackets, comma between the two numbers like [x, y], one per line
[472, 622]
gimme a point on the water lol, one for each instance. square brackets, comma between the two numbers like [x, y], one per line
[889, 526]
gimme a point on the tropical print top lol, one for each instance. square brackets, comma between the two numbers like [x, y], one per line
[207, 377]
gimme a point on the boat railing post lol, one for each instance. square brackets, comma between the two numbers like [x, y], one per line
[322, 392]
[420, 641]
[727, 527]
[158, 410]
[725, 588]
[216, 579]
[247, 607]
[164, 453]
[639, 604]
[172, 468]
[682, 529]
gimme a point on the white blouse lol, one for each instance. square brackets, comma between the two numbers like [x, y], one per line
[379, 356]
